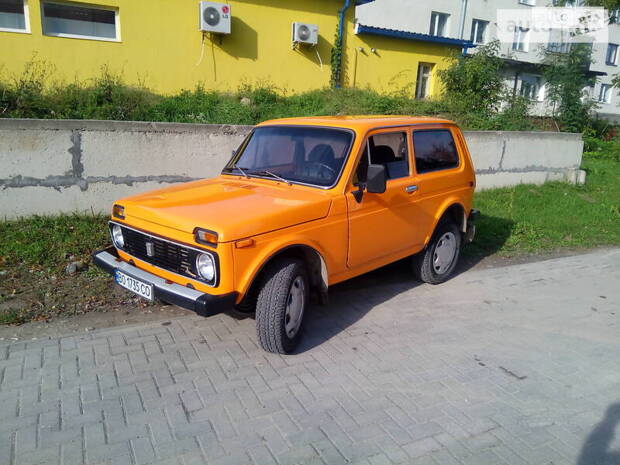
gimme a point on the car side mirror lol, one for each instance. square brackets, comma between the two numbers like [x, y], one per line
[376, 179]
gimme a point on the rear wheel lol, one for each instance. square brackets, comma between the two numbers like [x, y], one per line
[281, 304]
[437, 261]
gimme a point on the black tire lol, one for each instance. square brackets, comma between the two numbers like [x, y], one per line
[271, 305]
[424, 265]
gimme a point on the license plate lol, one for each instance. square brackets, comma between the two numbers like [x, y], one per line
[135, 285]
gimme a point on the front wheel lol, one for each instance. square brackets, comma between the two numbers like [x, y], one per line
[437, 261]
[281, 305]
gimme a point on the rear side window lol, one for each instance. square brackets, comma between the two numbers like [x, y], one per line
[434, 150]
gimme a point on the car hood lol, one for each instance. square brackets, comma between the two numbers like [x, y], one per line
[234, 208]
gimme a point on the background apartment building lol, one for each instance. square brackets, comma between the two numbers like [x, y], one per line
[476, 20]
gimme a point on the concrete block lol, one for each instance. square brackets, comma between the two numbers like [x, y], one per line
[34, 153]
[485, 148]
[121, 153]
[506, 179]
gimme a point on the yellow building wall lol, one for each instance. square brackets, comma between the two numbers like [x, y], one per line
[393, 65]
[161, 47]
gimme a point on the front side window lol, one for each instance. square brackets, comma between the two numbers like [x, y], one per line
[612, 54]
[66, 20]
[478, 31]
[520, 41]
[13, 16]
[387, 149]
[439, 24]
[305, 155]
[434, 150]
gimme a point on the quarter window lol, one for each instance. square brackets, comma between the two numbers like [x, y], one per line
[434, 150]
[66, 20]
[13, 16]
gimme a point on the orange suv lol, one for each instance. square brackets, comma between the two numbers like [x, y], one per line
[304, 203]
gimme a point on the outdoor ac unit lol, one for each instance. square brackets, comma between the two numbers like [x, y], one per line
[305, 33]
[215, 17]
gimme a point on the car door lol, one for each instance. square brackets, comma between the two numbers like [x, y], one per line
[382, 224]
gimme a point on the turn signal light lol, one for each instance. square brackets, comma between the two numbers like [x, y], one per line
[118, 211]
[204, 236]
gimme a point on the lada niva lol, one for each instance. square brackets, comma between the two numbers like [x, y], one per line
[303, 204]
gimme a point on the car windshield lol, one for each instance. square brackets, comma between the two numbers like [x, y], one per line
[298, 154]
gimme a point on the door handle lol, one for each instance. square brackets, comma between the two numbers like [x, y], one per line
[411, 189]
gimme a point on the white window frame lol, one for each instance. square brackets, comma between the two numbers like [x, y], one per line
[435, 15]
[604, 95]
[117, 22]
[475, 24]
[26, 29]
[613, 62]
[535, 83]
[521, 36]
[419, 87]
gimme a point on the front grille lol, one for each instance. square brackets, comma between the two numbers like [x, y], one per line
[164, 254]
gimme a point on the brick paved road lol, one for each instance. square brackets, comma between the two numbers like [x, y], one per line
[517, 365]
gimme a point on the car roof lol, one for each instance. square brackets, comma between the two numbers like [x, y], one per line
[358, 122]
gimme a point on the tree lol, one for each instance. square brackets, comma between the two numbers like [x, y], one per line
[566, 76]
[474, 83]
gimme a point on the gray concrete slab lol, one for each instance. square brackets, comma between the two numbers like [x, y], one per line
[513, 365]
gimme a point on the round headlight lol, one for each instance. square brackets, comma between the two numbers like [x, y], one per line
[117, 237]
[205, 266]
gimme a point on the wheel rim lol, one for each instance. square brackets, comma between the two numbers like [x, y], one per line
[444, 253]
[295, 305]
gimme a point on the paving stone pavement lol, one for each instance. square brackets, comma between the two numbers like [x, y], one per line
[515, 365]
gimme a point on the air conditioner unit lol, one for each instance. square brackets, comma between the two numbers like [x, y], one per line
[304, 33]
[215, 17]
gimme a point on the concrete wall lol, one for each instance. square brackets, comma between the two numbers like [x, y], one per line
[50, 166]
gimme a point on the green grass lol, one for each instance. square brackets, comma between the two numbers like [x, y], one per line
[532, 219]
[48, 242]
[36, 94]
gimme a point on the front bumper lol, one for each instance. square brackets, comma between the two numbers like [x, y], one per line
[191, 299]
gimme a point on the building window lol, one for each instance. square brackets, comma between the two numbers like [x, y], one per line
[434, 150]
[13, 16]
[530, 87]
[478, 31]
[604, 95]
[520, 41]
[559, 47]
[439, 24]
[84, 22]
[528, 2]
[612, 54]
[423, 82]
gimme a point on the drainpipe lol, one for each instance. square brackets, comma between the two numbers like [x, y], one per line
[341, 18]
[462, 22]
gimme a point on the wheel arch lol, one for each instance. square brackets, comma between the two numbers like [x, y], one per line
[313, 259]
[453, 210]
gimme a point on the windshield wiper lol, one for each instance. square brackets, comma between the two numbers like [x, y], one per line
[235, 167]
[273, 175]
